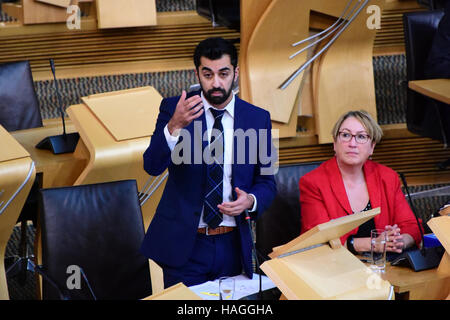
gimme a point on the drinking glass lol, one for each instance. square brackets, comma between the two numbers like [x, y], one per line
[226, 288]
[378, 249]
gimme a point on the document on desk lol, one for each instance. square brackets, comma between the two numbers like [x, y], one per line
[243, 287]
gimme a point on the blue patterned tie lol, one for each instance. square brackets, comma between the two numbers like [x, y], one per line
[214, 183]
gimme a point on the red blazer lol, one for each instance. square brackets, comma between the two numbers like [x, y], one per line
[323, 197]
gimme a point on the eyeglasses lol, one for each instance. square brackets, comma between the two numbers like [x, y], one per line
[359, 137]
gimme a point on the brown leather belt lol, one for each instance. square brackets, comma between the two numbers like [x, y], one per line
[212, 232]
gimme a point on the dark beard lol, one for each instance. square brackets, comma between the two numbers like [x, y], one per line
[217, 100]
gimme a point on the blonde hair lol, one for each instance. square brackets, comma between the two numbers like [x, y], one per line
[373, 129]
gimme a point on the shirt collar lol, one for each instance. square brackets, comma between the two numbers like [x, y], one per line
[229, 107]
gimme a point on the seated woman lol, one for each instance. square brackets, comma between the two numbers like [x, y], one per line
[350, 182]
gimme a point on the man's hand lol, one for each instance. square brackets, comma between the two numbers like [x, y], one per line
[186, 111]
[244, 201]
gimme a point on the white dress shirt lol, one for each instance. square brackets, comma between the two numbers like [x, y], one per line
[228, 130]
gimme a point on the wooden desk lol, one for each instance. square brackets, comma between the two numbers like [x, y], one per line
[438, 89]
[57, 170]
[82, 166]
[422, 285]
[16, 178]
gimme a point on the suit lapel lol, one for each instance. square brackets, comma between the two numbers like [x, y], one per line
[337, 185]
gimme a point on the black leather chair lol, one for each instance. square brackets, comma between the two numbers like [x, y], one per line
[221, 12]
[19, 109]
[98, 228]
[432, 4]
[282, 221]
[424, 116]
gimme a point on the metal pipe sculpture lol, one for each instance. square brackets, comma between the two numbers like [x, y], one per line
[149, 187]
[331, 29]
[288, 81]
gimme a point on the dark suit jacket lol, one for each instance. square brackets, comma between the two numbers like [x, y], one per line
[171, 235]
[323, 197]
[438, 62]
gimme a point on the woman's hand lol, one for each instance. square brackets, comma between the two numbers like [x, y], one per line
[395, 241]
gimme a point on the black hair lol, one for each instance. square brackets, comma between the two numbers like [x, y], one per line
[215, 48]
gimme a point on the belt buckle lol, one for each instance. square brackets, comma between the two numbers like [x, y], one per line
[207, 230]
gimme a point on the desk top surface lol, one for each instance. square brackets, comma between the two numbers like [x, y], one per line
[57, 170]
[30, 137]
[438, 89]
[403, 278]
[10, 149]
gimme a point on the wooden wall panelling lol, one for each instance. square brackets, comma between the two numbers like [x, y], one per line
[345, 79]
[95, 52]
[251, 12]
[268, 55]
[415, 156]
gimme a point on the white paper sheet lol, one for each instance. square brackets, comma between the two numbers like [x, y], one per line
[243, 287]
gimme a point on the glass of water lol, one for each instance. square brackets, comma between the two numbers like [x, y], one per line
[226, 288]
[378, 249]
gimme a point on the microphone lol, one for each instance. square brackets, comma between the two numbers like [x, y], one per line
[248, 219]
[65, 143]
[418, 259]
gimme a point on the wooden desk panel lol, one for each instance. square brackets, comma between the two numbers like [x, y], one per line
[16, 175]
[59, 3]
[111, 160]
[438, 89]
[58, 170]
[125, 13]
[39, 12]
[10, 149]
[422, 285]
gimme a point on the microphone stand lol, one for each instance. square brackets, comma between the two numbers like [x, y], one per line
[419, 259]
[65, 143]
[247, 217]
[413, 208]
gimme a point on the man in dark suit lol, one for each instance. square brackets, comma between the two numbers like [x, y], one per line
[220, 157]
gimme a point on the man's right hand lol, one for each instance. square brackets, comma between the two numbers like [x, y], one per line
[186, 111]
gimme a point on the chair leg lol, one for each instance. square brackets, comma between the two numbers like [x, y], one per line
[19, 267]
[23, 253]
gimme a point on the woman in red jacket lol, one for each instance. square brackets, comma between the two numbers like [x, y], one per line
[350, 182]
